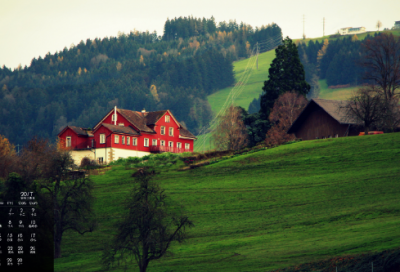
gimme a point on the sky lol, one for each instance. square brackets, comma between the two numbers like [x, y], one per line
[29, 29]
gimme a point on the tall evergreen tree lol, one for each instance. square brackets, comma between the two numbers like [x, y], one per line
[286, 74]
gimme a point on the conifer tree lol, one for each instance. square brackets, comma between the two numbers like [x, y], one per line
[286, 74]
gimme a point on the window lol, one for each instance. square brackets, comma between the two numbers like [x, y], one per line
[166, 118]
[128, 140]
[92, 142]
[162, 130]
[68, 142]
[162, 143]
[121, 124]
[146, 142]
[171, 144]
[179, 145]
[123, 139]
[187, 146]
[100, 160]
[171, 131]
[116, 139]
[102, 138]
[134, 141]
[114, 117]
[154, 142]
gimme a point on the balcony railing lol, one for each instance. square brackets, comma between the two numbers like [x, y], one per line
[158, 149]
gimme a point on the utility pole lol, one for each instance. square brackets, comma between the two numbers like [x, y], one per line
[257, 56]
[324, 29]
[304, 19]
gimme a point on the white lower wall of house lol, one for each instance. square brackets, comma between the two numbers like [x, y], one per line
[78, 155]
[123, 153]
[112, 154]
[108, 154]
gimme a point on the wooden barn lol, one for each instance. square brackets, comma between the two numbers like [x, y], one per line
[323, 118]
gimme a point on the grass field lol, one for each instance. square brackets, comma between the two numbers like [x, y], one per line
[271, 209]
[252, 89]
[335, 94]
[361, 36]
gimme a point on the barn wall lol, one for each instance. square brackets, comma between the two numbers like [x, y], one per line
[320, 124]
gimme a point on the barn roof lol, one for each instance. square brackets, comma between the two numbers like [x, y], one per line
[331, 107]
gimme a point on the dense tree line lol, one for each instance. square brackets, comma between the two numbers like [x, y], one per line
[337, 61]
[237, 38]
[78, 85]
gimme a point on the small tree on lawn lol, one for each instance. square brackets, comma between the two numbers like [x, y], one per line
[285, 111]
[149, 227]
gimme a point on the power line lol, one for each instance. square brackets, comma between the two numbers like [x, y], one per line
[239, 86]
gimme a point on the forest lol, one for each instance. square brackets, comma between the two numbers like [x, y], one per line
[136, 70]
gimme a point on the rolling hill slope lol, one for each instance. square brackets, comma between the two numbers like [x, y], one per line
[251, 89]
[267, 210]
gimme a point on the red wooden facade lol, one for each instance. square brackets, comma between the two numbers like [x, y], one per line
[130, 130]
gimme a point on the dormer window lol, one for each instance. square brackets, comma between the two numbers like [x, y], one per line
[166, 118]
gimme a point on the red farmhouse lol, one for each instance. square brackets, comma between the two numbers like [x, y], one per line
[125, 133]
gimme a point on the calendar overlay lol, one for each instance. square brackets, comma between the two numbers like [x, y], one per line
[20, 232]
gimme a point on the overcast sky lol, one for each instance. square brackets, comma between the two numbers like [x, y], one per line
[31, 28]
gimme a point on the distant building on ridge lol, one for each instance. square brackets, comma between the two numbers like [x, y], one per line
[351, 30]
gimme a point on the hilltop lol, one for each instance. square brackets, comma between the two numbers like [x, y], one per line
[297, 203]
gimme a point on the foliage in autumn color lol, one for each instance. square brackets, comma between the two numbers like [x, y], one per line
[7, 156]
[285, 111]
[230, 133]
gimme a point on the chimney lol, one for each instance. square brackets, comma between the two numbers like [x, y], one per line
[115, 115]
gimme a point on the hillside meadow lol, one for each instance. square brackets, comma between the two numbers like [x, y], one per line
[279, 207]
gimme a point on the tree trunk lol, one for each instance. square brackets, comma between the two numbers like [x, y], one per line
[57, 243]
[143, 266]
[366, 130]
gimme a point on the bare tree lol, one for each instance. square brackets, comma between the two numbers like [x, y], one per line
[149, 227]
[382, 62]
[378, 24]
[366, 106]
[231, 133]
[285, 111]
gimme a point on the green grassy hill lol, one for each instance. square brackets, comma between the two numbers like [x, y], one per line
[271, 209]
[251, 89]
[335, 94]
[361, 36]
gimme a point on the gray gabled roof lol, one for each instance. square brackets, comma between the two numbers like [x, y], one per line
[332, 107]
